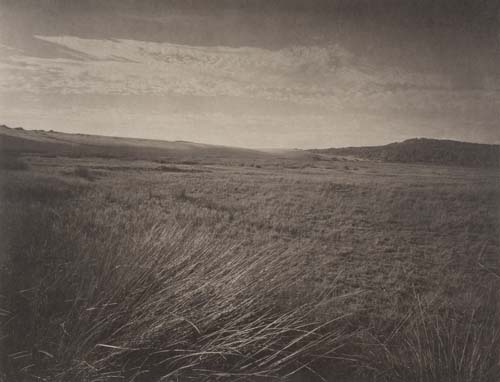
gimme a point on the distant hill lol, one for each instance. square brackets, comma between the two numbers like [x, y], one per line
[423, 150]
[18, 140]
[419, 150]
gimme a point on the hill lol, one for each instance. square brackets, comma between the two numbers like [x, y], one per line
[19, 140]
[423, 150]
[418, 150]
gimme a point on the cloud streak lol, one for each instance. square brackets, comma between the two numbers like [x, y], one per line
[328, 78]
[302, 74]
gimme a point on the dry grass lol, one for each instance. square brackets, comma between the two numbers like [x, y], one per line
[437, 342]
[249, 273]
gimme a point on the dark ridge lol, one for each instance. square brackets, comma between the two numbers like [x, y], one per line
[417, 150]
[424, 150]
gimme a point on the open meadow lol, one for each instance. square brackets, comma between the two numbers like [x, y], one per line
[298, 269]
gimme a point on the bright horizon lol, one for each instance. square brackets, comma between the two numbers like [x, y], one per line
[290, 75]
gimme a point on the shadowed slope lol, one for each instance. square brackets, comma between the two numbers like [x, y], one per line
[17, 140]
[423, 150]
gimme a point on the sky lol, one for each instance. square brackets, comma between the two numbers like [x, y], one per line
[254, 73]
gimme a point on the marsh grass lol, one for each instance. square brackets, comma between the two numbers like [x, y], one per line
[233, 276]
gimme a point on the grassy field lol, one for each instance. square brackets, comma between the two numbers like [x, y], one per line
[254, 270]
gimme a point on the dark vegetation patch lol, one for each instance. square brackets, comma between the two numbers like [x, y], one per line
[140, 169]
[11, 161]
[83, 172]
[50, 190]
[177, 169]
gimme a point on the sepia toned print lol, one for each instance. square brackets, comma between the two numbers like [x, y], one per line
[250, 190]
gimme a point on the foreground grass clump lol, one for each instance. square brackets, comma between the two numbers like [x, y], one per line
[439, 343]
[114, 295]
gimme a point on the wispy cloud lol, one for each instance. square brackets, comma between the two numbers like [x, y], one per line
[326, 77]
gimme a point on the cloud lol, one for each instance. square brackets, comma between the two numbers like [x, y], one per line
[327, 75]
[346, 91]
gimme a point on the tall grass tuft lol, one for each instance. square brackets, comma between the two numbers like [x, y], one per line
[113, 295]
[444, 344]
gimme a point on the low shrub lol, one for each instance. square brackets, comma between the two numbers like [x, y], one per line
[83, 172]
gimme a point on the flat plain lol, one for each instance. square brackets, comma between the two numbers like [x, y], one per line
[288, 267]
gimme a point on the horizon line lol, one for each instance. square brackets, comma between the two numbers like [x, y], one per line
[242, 147]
